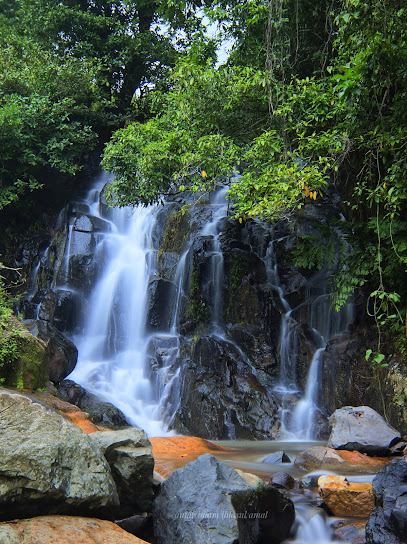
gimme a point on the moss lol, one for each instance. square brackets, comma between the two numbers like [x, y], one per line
[197, 308]
[24, 359]
[175, 233]
[238, 270]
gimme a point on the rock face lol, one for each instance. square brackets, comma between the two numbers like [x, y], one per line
[48, 465]
[65, 530]
[388, 521]
[207, 501]
[63, 353]
[362, 429]
[101, 412]
[129, 455]
[343, 498]
[222, 398]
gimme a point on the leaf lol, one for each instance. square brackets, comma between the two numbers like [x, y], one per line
[204, 174]
[368, 354]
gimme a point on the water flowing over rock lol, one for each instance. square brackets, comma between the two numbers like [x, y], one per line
[208, 501]
[363, 429]
[388, 521]
[48, 465]
[179, 311]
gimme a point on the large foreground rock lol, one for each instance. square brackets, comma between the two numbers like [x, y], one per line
[129, 454]
[64, 530]
[388, 521]
[207, 501]
[47, 464]
[362, 429]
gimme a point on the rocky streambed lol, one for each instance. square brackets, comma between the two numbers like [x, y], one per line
[65, 479]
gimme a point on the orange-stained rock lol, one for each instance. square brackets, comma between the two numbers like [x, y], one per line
[363, 458]
[345, 498]
[82, 420]
[70, 411]
[64, 530]
[171, 453]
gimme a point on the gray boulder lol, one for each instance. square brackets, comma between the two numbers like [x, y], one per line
[129, 454]
[388, 521]
[362, 429]
[101, 412]
[277, 457]
[48, 465]
[207, 501]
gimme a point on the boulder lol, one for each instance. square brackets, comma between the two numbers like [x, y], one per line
[277, 457]
[63, 353]
[129, 455]
[327, 459]
[350, 531]
[207, 501]
[101, 412]
[65, 530]
[343, 498]
[388, 521]
[48, 465]
[284, 481]
[362, 429]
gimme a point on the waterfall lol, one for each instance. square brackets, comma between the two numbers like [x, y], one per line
[113, 343]
[298, 412]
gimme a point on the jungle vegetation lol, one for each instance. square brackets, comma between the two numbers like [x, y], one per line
[313, 93]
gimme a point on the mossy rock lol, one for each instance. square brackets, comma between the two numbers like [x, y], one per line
[24, 359]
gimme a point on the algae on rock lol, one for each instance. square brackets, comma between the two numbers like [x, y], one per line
[24, 359]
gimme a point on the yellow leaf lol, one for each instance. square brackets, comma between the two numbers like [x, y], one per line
[240, 219]
[314, 195]
[384, 186]
[306, 191]
[204, 174]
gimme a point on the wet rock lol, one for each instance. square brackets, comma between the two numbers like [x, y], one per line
[277, 457]
[362, 429]
[129, 455]
[388, 521]
[48, 465]
[63, 353]
[101, 412]
[208, 501]
[284, 481]
[140, 525]
[345, 498]
[221, 397]
[65, 530]
[161, 297]
[350, 531]
[323, 458]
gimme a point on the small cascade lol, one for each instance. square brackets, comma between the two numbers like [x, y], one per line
[298, 413]
[311, 525]
[215, 282]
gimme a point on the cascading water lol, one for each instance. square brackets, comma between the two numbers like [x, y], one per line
[324, 323]
[112, 347]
